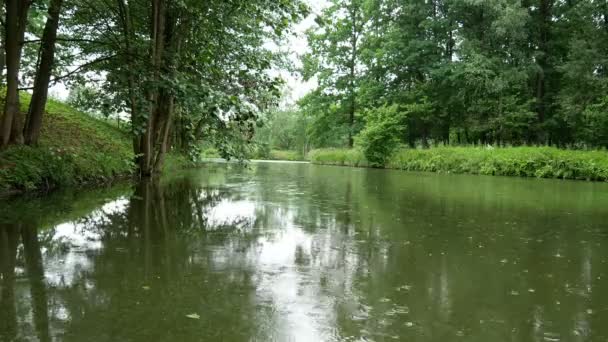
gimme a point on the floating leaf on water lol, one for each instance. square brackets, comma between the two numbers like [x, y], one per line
[193, 316]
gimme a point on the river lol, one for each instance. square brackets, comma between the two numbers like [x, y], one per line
[300, 252]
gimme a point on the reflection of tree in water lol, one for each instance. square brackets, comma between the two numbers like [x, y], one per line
[8, 255]
[159, 260]
[10, 235]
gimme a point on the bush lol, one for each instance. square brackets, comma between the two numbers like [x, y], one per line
[381, 134]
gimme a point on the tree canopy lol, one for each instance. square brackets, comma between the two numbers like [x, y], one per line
[459, 72]
[182, 70]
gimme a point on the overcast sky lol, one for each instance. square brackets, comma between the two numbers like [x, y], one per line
[296, 46]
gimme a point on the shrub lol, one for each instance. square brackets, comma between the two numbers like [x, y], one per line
[381, 134]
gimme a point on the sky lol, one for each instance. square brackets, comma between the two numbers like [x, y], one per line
[296, 45]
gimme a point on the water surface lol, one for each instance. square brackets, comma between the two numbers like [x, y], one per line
[298, 252]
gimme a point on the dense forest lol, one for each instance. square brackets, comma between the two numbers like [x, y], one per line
[499, 72]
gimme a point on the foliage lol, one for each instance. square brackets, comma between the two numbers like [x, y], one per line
[342, 157]
[498, 72]
[282, 130]
[335, 61]
[540, 162]
[285, 155]
[204, 69]
[381, 134]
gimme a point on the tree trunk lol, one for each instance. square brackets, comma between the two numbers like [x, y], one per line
[16, 19]
[353, 61]
[166, 108]
[2, 45]
[125, 13]
[43, 74]
[157, 33]
[544, 21]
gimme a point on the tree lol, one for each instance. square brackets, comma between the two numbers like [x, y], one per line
[43, 74]
[185, 67]
[15, 22]
[336, 60]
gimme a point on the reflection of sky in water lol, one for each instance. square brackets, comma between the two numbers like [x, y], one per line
[291, 291]
[227, 212]
[79, 240]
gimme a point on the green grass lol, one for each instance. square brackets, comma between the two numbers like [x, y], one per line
[211, 152]
[284, 155]
[74, 149]
[342, 157]
[540, 162]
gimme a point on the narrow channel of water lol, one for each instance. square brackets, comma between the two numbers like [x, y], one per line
[299, 252]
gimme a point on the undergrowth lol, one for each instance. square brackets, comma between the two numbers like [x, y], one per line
[540, 162]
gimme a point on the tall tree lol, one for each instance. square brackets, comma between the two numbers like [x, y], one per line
[43, 74]
[15, 22]
[336, 60]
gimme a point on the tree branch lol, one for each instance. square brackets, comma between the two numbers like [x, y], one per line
[67, 40]
[77, 70]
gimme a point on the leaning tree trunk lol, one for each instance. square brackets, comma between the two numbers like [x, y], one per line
[16, 10]
[43, 74]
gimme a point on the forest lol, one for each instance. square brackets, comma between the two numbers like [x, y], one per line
[388, 76]
[497, 72]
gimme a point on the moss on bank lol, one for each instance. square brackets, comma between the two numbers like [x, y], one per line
[74, 149]
[540, 162]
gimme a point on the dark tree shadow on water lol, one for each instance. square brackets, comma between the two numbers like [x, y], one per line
[9, 242]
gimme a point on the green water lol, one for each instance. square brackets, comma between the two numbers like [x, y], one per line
[297, 252]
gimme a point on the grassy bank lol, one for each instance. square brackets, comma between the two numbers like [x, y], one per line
[211, 152]
[540, 162]
[74, 149]
[284, 155]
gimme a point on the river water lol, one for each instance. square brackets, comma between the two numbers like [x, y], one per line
[299, 252]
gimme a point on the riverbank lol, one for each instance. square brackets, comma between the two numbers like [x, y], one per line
[75, 149]
[539, 162]
[278, 155]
